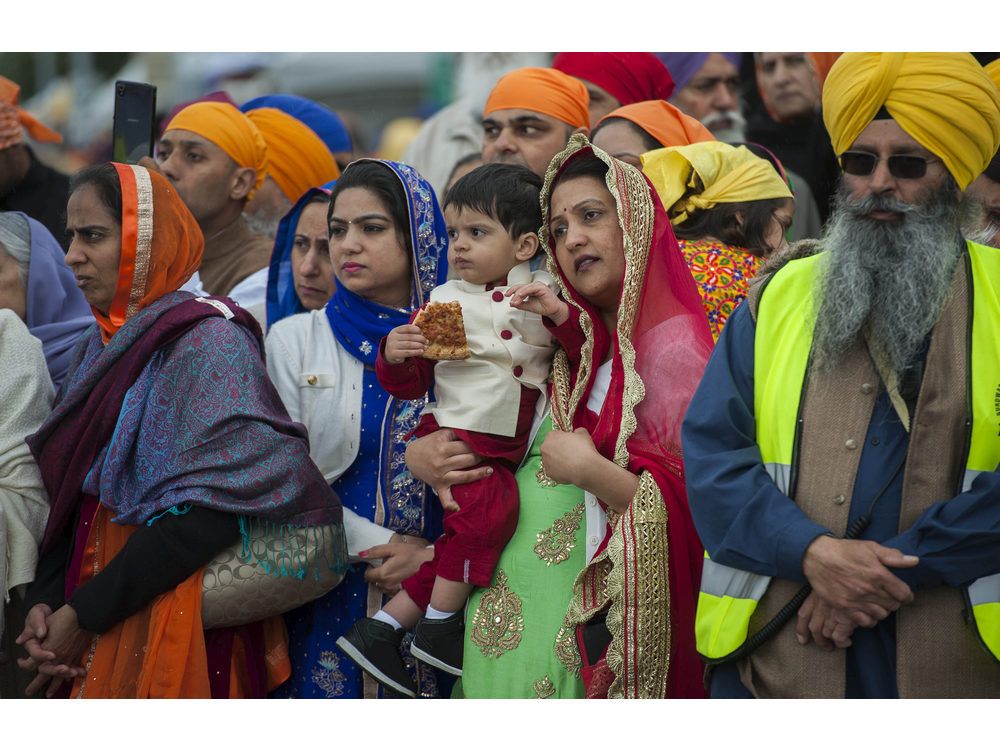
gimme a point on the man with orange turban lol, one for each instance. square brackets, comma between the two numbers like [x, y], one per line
[297, 161]
[844, 435]
[530, 115]
[26, 184]
[217, 159]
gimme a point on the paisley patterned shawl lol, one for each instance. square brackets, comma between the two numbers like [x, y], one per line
[197, 422]
[648, 570]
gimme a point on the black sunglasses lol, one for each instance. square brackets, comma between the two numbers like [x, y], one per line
[901, 166]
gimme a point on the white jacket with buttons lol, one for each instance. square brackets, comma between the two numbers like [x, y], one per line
[509, 348]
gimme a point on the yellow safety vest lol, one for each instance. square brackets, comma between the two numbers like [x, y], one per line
[782, 345]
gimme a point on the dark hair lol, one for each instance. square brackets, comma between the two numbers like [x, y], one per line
[648, 141]
[465, 161]
[386, 185]
[104, 178]
[720, 222]
[583, 165]
[505, 192]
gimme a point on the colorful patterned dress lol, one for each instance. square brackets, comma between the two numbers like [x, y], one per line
[722, 273]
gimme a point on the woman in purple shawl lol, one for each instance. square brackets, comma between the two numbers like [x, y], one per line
[43, 292]
[166, 444]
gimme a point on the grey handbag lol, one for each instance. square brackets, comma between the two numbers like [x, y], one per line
[237, 590]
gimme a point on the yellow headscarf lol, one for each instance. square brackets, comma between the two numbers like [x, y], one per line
[702, 175]
[944, 100]
[229, 129]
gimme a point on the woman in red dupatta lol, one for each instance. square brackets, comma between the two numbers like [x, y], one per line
[166, 421]
[636, 307]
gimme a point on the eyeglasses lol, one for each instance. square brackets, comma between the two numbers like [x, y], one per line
[901, 166]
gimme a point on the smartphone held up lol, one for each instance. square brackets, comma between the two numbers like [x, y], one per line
[133, 135]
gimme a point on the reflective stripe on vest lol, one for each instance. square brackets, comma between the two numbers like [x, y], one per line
[781, 350]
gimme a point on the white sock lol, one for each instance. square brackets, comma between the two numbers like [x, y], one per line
[436, 614]
[383, 616]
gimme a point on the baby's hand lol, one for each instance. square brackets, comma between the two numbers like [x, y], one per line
[538, 298]
[402, 342]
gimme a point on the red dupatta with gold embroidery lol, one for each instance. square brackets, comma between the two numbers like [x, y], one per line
[648, 569]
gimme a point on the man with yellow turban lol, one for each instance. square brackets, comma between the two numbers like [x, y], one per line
[217, 160]
[26, 184]
[842, 451]
[530, 115]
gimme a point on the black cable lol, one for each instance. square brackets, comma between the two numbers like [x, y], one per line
[781, 619]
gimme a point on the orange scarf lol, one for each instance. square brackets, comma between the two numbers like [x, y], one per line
[161, 245]
[159, 652]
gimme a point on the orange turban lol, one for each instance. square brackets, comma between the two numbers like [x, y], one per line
[945, 101]
[162, 245]
[297, 158]
[545, 90]
[13, 119]
[664, 122]
[229, 129]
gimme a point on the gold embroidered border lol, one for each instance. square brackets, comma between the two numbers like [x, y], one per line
[498, 623]
[544, 687]
[565, 400]
[144, 239]
[629, 189]
[640, 624]
[566, 650]
[554, 545]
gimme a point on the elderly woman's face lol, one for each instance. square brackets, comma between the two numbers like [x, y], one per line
[312, 269]
[13, 295]
[95, 248]
[583, 222]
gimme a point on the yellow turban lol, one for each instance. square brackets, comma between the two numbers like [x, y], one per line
[545, 90]
[944, 100]
[702, 175]
[297, 158]
[229, 129]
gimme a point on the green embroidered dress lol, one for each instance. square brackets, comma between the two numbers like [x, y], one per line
[515, 642]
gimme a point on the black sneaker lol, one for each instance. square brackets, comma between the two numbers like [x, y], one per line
[440, 642]
[374, 646]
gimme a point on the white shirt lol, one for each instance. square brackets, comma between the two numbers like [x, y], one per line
[320, 384]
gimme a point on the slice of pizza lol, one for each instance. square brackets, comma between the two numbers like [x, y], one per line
[443, 327]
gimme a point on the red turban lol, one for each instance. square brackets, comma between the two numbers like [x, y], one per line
[628, 76]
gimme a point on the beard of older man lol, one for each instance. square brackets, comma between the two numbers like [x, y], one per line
[729, 126]
[886, 280]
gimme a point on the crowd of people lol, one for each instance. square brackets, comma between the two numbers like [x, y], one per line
[726, 422]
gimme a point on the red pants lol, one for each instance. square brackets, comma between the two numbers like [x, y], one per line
[475, 535]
